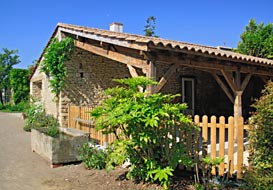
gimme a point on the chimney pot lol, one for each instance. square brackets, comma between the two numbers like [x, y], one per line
[116, 27]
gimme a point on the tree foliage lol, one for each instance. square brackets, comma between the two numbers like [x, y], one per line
[145, 122]
[257, 40]
[7, 59]
[53, 64]
[261, 143]
[150, 27]
[19, 83]
[261, 134]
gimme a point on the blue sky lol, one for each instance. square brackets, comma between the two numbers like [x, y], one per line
[27, 25]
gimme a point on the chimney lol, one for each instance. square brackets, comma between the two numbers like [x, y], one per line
[116, 27]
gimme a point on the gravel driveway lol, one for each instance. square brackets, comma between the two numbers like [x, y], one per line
[20, 168]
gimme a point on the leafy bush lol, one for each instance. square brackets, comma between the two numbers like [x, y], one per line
[93, 157]
[261, 144]
[256, 180]
[20, 107]
[117, 156]
[146, 123]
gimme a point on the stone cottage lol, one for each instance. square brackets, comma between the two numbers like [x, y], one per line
[212, 80]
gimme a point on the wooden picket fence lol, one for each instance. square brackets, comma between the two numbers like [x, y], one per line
[218, 137]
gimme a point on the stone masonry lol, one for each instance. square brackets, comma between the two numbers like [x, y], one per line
[88, 76]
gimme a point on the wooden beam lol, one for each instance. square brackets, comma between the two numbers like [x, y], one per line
[132, 71]
[106, 39]
[245, 82]
[151, 74]
[229, 80]
[237, 78]
[207, 55]
[166, 77]
[210, 64]
[116, 56]
[224, 87]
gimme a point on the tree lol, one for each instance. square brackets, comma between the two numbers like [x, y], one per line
[19, 83]
[150, 27]
[7, 59]
[257, 40]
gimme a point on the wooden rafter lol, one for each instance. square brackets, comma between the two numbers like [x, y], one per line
[245, 82]
[165, 78]
[116, 56]
[229, 80]
[132, 71]
[224, 87]
[209, 64]
[123, 43]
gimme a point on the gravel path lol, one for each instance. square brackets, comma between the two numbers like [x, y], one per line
[20, 168]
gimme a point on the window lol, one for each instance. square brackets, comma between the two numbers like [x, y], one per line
[188, 94]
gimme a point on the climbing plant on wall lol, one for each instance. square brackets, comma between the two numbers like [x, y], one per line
[53, 64]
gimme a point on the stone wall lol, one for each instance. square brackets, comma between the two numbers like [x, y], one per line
[40, 89]
[88, 76]
[37, 90]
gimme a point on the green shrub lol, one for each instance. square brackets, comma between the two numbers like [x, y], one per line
[93, 157]
[145, 121]
[256, 180]
[261, 143]
[20, 107]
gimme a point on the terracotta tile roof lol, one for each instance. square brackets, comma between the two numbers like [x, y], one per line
[132, 38]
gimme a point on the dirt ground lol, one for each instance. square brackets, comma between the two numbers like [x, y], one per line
[21, 169]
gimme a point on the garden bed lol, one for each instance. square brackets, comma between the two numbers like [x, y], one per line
[58, 150]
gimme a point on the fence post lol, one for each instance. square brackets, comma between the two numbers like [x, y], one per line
[213, 140]
[204, 136]
[196, 140]
[231, 144]
[240, 145]
[222, 144]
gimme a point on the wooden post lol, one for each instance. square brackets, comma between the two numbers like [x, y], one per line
[231, 144]
[240, 146]
[205, 136]
[213, 140]
[222, 144]
[238, 104]
[237, 111]
[151, 74]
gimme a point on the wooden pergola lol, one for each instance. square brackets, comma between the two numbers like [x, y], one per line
[232, 71]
